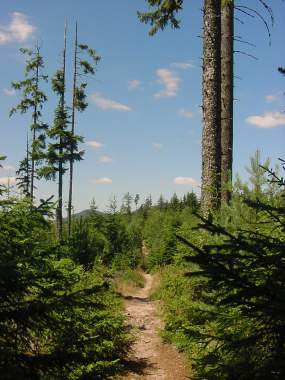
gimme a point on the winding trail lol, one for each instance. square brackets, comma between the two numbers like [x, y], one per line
[150, 357]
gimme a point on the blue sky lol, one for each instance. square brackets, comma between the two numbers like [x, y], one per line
[142, 128]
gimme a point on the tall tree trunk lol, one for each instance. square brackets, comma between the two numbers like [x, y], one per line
[27, 184]
[72, 131]
[60, 164]
[33, 164]
[227, 53]
[211, 136]
[35, 122]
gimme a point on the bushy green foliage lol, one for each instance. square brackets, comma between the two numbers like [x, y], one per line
[160, 14]
[57, 320]
[88, 240]
[130, 277]
[161, 226]
[112, 239]
[226, 309]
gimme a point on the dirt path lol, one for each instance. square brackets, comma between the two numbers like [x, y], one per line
[150, 358]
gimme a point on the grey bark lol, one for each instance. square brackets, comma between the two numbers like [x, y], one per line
[227, 52]
[60, 164]
[72, 131]
[211, 135]
[35, 121]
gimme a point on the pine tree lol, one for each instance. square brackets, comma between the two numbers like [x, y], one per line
[165, 12]
[191, 201]
[148, 202]
[79, 103]
[136, 200]
[256, 172]
[239, 319]
[217, 141]
[227, 97]
[33, 99]
[161, 202]
[64, 145]
[113, 206]
[174, 202]
[127, 204]
[211, 135]
[227, 88]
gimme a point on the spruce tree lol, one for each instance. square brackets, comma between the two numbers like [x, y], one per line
[127, 204]
[217, 141]
[174, 202]
[238, 319]
[161, 203]
[64, 144]
[211, 135]
[227, 97]
[164, 12]
[136, 200]
[33, 98]
[256, 172]
[82, 68]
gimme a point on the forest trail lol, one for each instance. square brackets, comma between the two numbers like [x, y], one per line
[150, 357]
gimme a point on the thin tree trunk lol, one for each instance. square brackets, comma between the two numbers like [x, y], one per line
[27, 189]
[227, 53]
[60, 164]
[211, 136]
[33, 165]
[35, 121]
[72, 131]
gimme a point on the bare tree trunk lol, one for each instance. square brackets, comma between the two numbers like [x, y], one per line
[27, 185]
[35, 122]
[33, 164]
[72, 131]
[60, 164]
[211, 136]
[227, 52]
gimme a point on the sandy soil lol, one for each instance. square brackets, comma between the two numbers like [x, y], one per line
[150, 357]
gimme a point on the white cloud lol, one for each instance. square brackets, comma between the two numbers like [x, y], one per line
[185, 113]
[157, 146]
[9, 91]
[7, 168]
[103, 181]
[7, 180]
[94, 144]
[106, 104]
[186, 181]
[170, 81]
[268, 120]
[105, 159]
[182, 65]
[19, 29]
[134, 84]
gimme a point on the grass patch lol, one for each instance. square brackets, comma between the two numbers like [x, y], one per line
[126, 282]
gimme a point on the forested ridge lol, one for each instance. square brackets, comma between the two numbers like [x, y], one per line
[208, 268]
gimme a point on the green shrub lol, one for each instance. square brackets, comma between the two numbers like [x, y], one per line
[57, 320]
[131, 277]
[225, 308]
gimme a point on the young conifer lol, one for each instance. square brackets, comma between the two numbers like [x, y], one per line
[24, 173]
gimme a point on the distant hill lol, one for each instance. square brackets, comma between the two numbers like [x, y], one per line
[85, 214]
